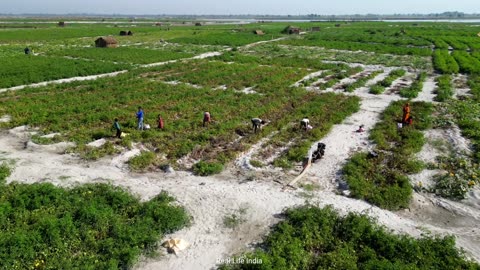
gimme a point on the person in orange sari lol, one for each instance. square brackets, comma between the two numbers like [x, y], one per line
[406, 113]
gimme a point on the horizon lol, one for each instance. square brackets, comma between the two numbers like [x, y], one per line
[248, 7]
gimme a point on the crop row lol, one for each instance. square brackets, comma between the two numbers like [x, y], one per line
[468, 63]
[381, 178]
[415, 88]
[444, 88]
[26, 69]
[358, 46]
[444, 62]
[122, 54]
[361, 82]
[380, 86]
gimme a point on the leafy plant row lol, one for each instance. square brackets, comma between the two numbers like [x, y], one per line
[444, 88]
[320, 238]
[415, 88]
[468, 63]
[380, 86]
[26, 69]
[443, 62]
[123, 54]
[381, 178]
[362, 81]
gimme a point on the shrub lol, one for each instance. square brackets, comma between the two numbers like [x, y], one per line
[88, 227]
[5, 172]
[142, 161]
[459, 176]
[203, 168]
[376, 89]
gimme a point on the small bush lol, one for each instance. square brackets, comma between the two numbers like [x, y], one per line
[5, 172]
[460, 175]
[203, 168]
[376, 89]
[142, 161]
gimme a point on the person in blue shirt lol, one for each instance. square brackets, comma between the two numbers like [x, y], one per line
[140, 116]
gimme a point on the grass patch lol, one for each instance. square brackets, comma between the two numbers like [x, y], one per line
[314, 238]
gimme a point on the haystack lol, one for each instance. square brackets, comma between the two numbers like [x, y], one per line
[106, 42]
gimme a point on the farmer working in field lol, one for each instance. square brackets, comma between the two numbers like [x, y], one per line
[305, 123]
[140, 116]
[206, 118]
[406, 113]
[257, 124]
[117, 127]
[160, 122]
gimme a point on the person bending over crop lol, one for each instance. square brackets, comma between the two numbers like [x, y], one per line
[406, 113]
[206, 118]
[160, 122]
[140, 116]
[304, 123]
[117, 127]
[257, 124]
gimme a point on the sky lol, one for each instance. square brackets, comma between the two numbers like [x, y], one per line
[226, 7]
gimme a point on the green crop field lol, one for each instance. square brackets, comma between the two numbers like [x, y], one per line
[235, 71]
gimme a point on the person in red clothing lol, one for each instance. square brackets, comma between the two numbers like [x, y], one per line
[160, 122]
[206, 118]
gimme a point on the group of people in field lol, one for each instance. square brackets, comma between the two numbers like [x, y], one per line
[140, 116]
[257, 123]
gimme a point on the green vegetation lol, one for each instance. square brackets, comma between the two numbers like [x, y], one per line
[28, 69]
[92, 226]
[444, 62]
[444, 89]
[203, 168]
[4, 172]
[379, 87]
[381, 179]
[459, 176]
[415, 88]
[141, 161]
[314, 238]
[468, 64]
[124, 54]
[362, 81]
